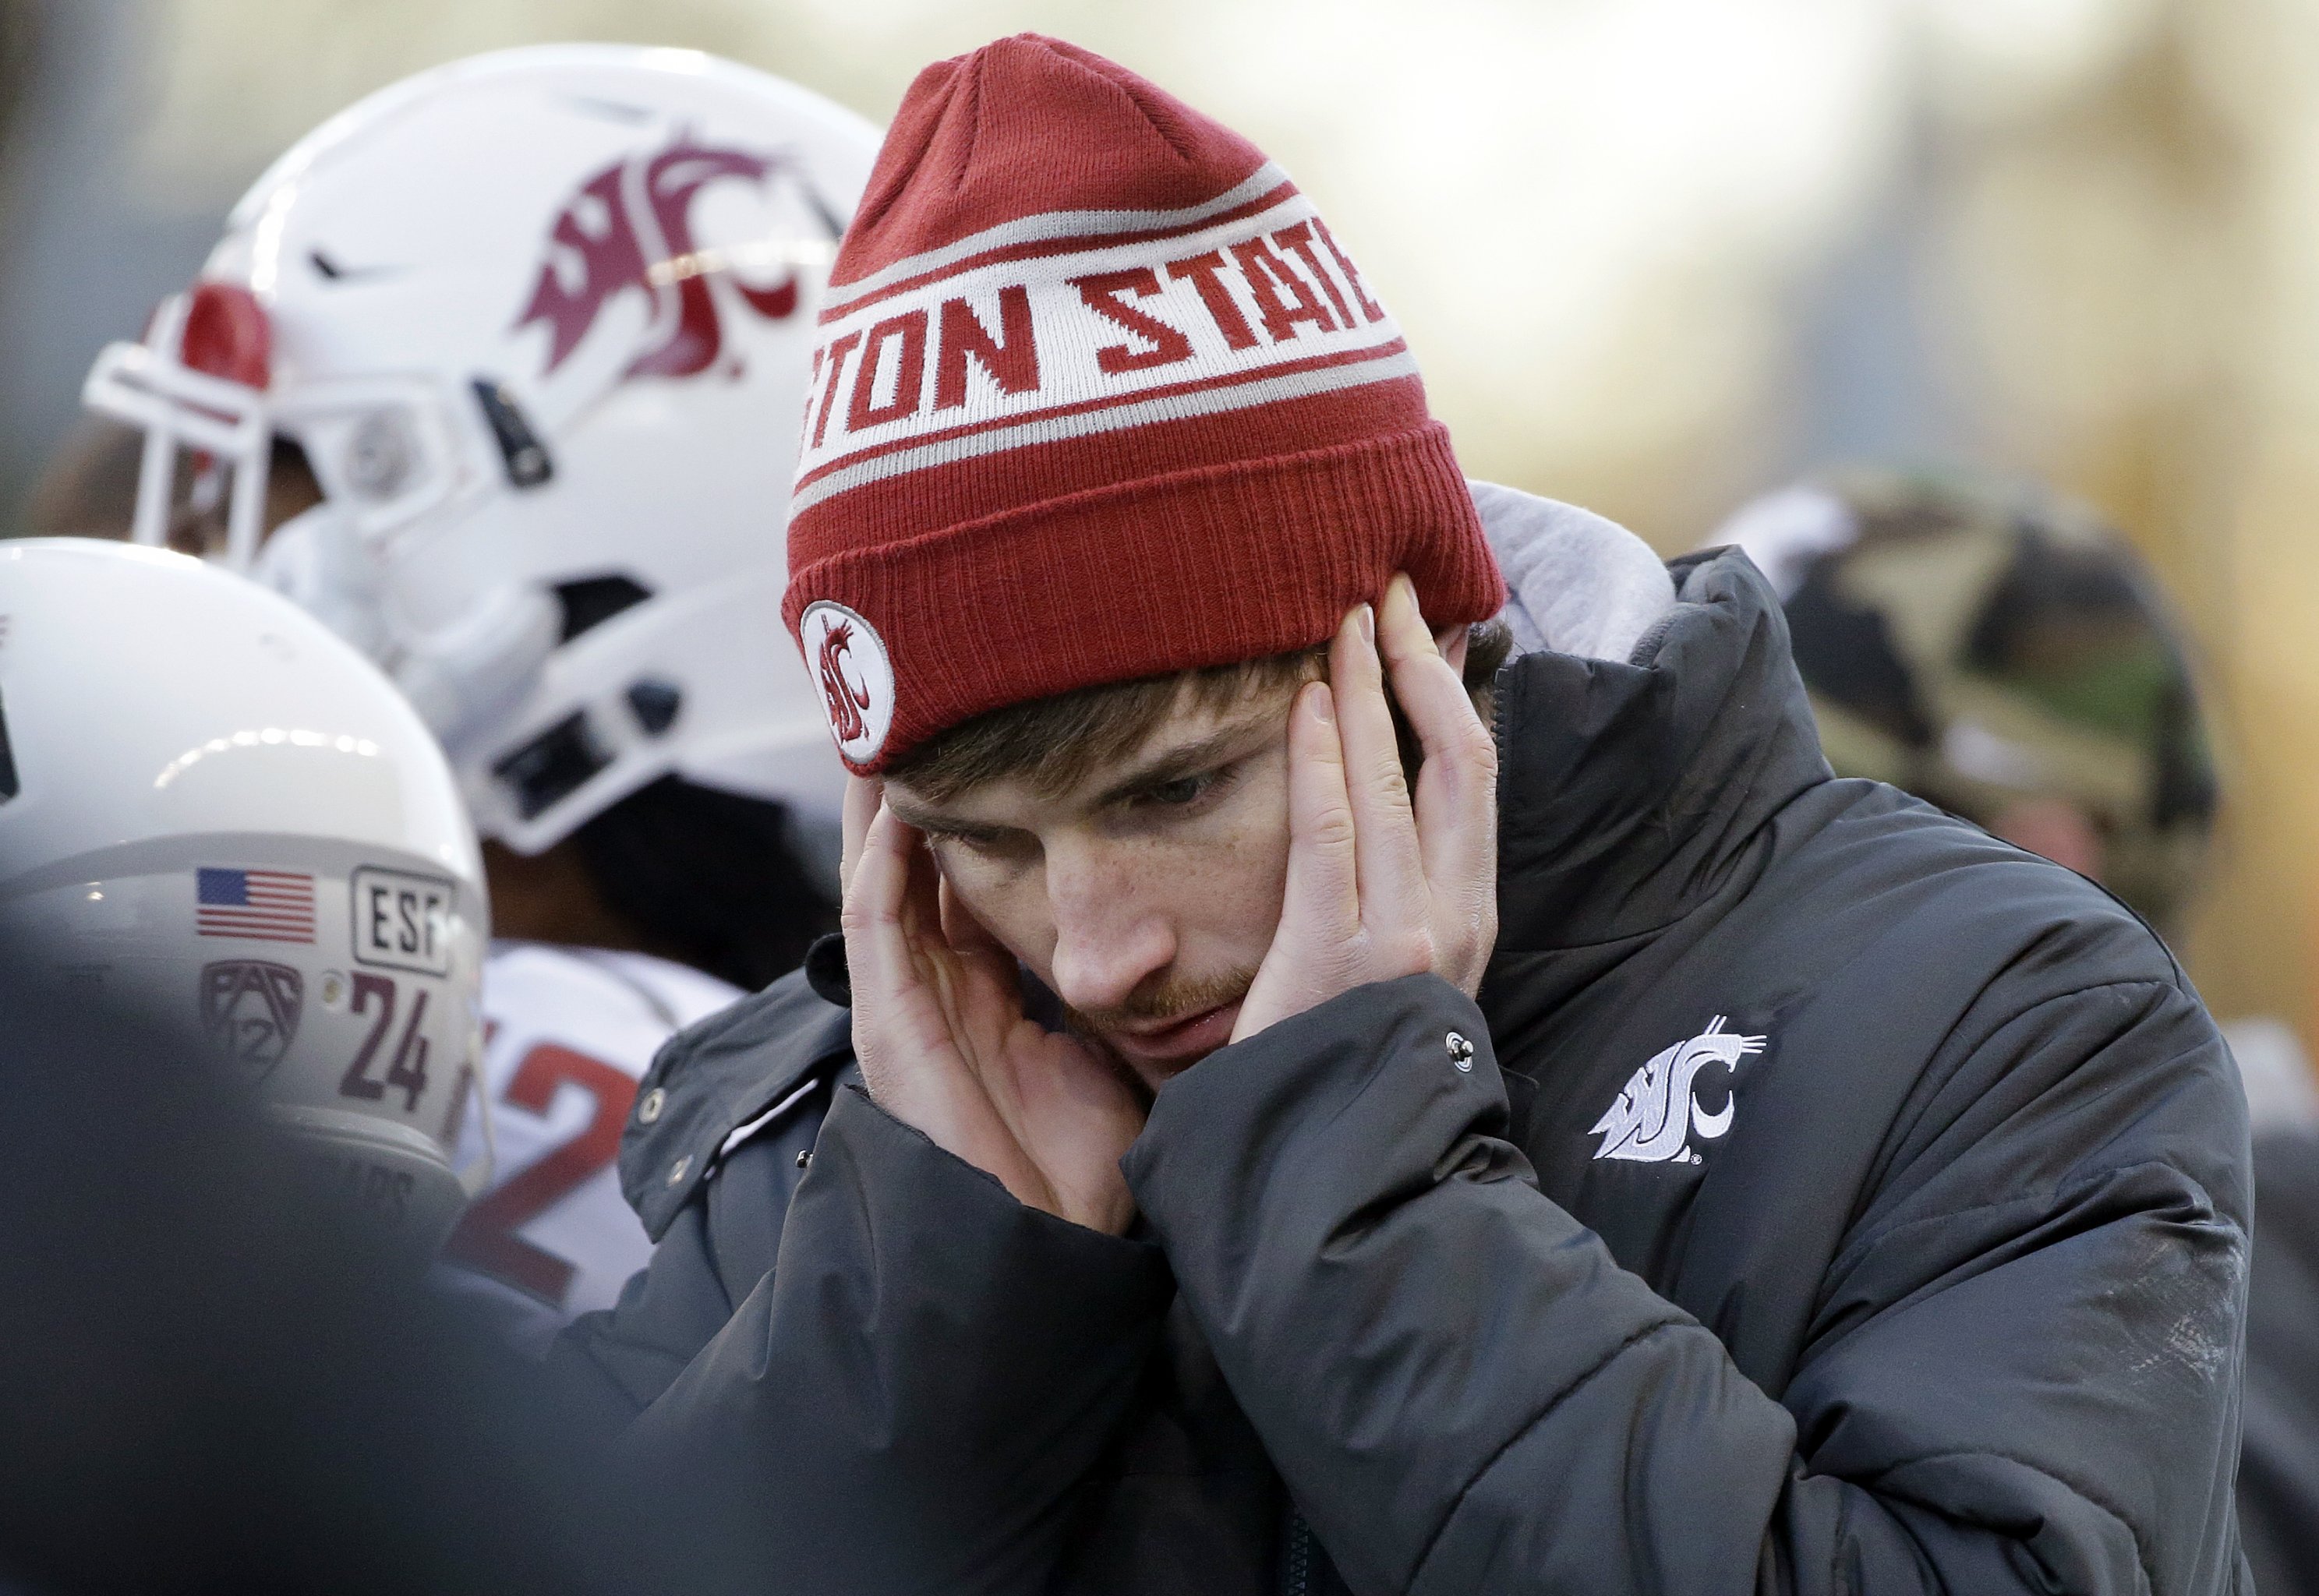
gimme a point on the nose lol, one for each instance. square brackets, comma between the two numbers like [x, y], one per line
[1110, 935]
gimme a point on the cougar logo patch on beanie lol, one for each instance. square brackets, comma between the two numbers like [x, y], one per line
[1098, 395]
[856, 678]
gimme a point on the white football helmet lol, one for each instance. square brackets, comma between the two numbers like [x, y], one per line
[540, 321]
[213, 810]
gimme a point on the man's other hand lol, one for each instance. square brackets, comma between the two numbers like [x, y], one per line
[1380, 885]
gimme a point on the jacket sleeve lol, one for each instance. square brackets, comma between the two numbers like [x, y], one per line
[2278, 1467]
[2035, 1391]
[913, 1396]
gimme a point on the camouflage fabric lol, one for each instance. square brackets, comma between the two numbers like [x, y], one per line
[1984, 647]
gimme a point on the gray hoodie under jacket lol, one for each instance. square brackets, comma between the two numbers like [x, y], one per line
[1821, 1197]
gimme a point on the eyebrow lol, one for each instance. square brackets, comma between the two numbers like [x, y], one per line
[1173, 764]
[918, 819]
[1191, 759]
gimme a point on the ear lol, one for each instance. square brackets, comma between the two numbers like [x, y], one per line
[1452, 642]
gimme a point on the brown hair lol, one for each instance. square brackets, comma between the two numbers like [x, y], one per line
[1054, 742]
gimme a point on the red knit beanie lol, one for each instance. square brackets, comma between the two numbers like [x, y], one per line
[1096, 397]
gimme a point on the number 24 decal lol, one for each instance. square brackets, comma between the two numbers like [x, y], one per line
[408, 1068]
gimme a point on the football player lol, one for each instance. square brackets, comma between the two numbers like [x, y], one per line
[497, 374]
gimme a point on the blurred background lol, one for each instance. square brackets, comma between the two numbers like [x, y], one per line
[1656, 256]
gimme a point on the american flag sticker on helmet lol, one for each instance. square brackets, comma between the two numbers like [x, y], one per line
[255, 904]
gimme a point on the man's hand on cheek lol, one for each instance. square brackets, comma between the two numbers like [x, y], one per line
[1380, 885]
[945, 1047]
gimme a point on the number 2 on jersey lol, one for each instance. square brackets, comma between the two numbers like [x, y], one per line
[486, 1238]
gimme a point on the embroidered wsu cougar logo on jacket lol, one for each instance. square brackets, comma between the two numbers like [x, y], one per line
[1656, 1113]
[630, 226]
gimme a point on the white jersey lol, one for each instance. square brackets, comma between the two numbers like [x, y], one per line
[568, 1032]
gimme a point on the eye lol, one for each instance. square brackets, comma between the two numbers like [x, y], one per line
[1183, 794]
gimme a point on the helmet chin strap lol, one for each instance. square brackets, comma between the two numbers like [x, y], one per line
[457, 676]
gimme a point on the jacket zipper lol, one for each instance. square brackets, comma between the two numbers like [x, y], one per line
[1296, 1568]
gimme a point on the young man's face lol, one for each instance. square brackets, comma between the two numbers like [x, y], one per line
[1145, 896]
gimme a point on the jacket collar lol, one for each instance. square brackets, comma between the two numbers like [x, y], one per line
[711, 1078]
[1627, 793]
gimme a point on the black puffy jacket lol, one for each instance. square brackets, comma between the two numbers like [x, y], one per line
[2278, 1467]
[1822, 1198]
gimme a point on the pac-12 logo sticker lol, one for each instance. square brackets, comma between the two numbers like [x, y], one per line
[849, 665]
[251, 1009]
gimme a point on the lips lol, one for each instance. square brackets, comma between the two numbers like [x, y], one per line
[1179, 1042]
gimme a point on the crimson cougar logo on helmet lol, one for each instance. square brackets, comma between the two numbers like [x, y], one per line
[848, 659]
[630, 227]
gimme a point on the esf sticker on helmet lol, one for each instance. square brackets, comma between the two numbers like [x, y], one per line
[401, 920]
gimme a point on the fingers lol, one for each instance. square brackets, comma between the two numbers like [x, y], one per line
[891, 906]
[960, 929]
[972, 941]
[1450, 643]
[877, 951]
[1430, 693]
[921, 890]
[892, 909]
[892, 889]
[877, 877]
[1457, 791]
[863, 795]
[1323, 893]
[1391, 870]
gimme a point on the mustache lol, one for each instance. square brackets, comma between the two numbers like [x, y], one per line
[1170, 999]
